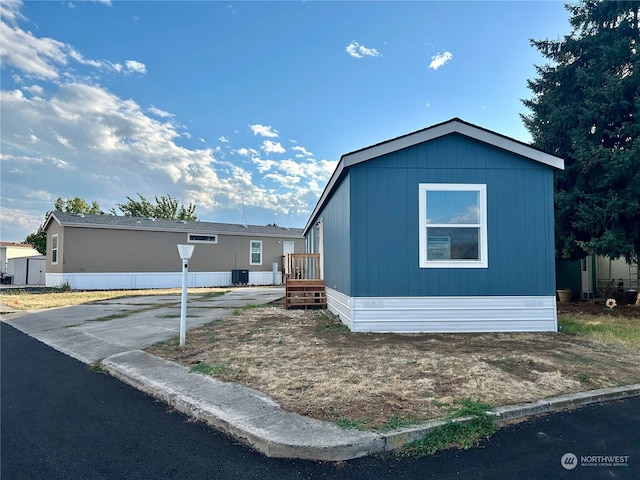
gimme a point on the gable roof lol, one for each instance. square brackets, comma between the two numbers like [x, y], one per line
[455, 125]
[164, 225]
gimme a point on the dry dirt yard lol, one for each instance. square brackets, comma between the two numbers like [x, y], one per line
[307, 362]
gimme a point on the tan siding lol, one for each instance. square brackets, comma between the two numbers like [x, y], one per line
[55, 228]
[112, 250]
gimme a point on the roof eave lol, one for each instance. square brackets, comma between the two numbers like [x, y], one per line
[454, 125]
[151, 228]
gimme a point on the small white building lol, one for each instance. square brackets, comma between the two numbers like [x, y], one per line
[13, 259]
[27, 270]
[602, 274]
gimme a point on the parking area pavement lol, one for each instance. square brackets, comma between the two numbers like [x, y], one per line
[91, 332]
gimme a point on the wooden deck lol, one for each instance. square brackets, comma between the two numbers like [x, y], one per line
[304, 287]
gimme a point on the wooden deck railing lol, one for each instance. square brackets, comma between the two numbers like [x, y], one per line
[302, 266]
[304, 287]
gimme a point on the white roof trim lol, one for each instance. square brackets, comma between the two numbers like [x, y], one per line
[430, 133]
[453, 126]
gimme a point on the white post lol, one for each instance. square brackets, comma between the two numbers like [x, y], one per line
[183, 303]
[185, 252]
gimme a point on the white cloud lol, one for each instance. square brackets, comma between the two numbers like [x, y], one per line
[10, 11]
[272, 147]
[263, 165]
[284, 180]
[439, 60]
[263, 131]
[37, 57]
[63, 141]
[137, 67]
[80, 139]
[247, 152]
[223, 139]
[45, 58]
[159, 113]
[303, 152]
[34, 89]
[358, 51]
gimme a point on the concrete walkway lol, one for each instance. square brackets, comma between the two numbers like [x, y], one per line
[115, 331]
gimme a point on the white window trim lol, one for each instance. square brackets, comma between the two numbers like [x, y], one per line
[210, 242]
[422, 212]
[56, 249]
[251, 242]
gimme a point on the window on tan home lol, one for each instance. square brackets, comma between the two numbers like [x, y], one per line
[256, 252]
[54, 249]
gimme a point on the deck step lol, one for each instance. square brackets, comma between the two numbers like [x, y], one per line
[305, 293]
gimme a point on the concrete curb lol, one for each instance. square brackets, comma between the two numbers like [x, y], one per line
[398, 438]
[565, 402]
[247, 415]
[258, 421]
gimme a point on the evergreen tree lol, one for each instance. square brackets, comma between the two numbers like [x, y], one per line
[586, 109]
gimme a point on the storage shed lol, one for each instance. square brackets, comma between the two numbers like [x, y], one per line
[447, 229]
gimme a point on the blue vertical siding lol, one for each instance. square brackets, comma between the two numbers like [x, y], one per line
[336, 217]
[385, 226]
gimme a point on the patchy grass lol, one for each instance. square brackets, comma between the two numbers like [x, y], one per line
[605, 329]
[394, 422]
[213, 294]
[310, 364]
[351, 423]
[464, 434]
[210, 369]
[248, 306]
[24, 300]
[96, 367]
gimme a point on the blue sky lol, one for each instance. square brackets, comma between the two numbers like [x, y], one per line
[243, 108]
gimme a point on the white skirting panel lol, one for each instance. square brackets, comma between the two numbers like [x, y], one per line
[339, 304]
[445, 314]
[150, 280]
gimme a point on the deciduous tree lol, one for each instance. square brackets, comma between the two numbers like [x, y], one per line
[69, 205]
[77, 205]
[38, 240]
[166, 207]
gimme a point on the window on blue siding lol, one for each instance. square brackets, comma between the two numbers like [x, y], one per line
[453, 225]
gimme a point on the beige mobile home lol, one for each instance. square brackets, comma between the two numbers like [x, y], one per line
[96, 252]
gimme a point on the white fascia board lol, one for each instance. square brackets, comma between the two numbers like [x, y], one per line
[510, 145]
[430, 133]
[325, 193]
[455, 126]
[141, 228]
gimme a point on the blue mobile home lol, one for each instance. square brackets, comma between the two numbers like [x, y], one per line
[447, 229]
